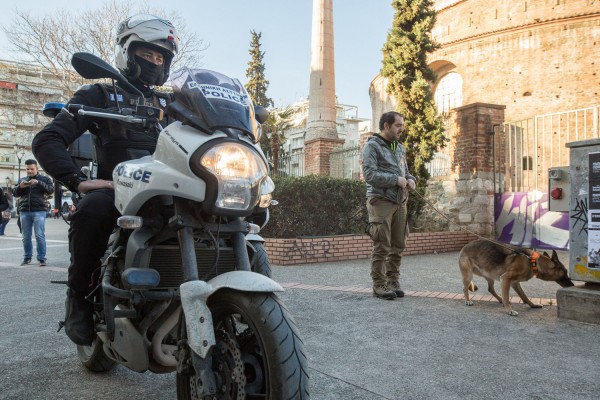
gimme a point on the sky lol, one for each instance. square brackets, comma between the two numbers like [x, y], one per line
[360, 30]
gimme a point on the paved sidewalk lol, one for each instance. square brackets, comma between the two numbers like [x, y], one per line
[427, 345]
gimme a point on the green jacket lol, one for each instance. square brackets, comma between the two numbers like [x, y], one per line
[382, 166]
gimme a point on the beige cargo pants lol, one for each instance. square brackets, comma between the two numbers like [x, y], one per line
[388, 229]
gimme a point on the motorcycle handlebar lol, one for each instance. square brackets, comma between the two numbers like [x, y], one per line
[87, 111]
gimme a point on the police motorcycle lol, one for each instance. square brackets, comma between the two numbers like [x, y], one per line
[176, 291]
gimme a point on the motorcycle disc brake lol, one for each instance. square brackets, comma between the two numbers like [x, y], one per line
[229, 368]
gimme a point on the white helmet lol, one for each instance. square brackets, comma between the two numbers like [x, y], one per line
[151, 31]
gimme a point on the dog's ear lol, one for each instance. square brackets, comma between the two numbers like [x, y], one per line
[546, 254]
[554, 256]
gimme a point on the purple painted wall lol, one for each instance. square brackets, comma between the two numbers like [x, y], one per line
[523, 219]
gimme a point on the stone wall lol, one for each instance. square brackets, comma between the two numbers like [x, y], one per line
[459, 204]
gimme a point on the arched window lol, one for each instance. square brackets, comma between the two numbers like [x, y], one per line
[448, 93]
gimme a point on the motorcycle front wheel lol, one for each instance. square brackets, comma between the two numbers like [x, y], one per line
[258, 353]
[260, 261]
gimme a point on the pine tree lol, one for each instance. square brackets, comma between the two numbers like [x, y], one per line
[257, 84]
[405, 66]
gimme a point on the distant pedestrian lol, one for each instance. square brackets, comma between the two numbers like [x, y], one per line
[5, 208]
[388, 181]
[32, 210]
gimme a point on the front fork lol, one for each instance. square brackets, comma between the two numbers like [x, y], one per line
[194, 300]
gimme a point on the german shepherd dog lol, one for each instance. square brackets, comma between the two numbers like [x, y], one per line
[510, 265]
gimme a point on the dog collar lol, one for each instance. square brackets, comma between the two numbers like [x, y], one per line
[533, 259]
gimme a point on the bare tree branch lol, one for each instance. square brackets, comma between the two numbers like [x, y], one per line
[50, 41]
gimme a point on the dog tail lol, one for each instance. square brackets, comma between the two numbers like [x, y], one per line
[473, 287]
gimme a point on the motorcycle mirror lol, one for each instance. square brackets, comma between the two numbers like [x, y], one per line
[90, 66]
[261, 114]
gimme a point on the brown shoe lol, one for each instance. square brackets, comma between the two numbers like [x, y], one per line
[395, 287]
[383, 292]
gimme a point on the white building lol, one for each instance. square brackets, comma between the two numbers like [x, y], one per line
[24, 88]
[349, 127]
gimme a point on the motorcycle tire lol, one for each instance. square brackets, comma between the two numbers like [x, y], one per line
[260, 262]
[257, 336]
[93, 357]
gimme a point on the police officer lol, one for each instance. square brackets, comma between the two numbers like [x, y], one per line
[145, 48]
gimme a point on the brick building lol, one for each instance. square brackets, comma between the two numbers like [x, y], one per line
[516, 80]
[533, 57]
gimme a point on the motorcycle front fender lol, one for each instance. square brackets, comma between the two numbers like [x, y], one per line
[194, 300]
[253, 237]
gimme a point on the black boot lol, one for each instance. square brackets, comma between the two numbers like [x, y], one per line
[79, 319]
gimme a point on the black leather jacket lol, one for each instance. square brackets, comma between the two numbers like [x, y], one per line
[31, 198]
[4, 205]
[113, 143]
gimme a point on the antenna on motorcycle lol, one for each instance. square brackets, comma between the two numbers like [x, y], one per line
[90, 66]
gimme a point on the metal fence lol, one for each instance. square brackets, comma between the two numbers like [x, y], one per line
[345, 163]
[289, 165]
[533, 145]
[439, 165]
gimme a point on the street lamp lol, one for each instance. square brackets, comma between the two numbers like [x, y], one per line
[19, 153]
[7, 184]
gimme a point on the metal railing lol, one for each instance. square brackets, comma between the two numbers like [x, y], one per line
[289, 165]
[439, 165]
[345, 162]
[533, 145]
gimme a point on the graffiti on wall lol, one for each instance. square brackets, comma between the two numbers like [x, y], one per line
[310, 250]
[523, 219]
[579, 215]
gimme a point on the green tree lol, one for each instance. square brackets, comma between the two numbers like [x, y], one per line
[280, 120]
[257, 85]
[409, 81]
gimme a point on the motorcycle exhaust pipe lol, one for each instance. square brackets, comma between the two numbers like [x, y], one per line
[163, 353]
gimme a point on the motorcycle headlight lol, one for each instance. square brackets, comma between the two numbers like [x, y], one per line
[239, 172]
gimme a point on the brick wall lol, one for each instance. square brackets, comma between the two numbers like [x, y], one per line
[316, 155]
[354, 247]
[536, 56]
[471, 137]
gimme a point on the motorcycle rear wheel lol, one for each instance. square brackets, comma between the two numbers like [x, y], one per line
[258, 329]
[93, 357]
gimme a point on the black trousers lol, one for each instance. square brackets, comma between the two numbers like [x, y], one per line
[91, 226]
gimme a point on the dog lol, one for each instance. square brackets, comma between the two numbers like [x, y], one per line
[510, 265]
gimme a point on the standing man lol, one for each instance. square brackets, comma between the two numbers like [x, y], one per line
[32, 210]
[388, 181]
[145, 48]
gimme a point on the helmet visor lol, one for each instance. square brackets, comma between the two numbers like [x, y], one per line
[141, 18]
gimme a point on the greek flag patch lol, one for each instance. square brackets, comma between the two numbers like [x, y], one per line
[163, 102]
[119, 97]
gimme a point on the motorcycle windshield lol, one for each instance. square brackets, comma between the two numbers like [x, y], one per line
[218, 100]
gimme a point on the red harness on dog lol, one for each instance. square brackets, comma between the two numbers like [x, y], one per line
[533, 258]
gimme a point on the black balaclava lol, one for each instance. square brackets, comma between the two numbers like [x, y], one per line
[150, 73]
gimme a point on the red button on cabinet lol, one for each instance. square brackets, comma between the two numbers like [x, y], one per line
[556, 193]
